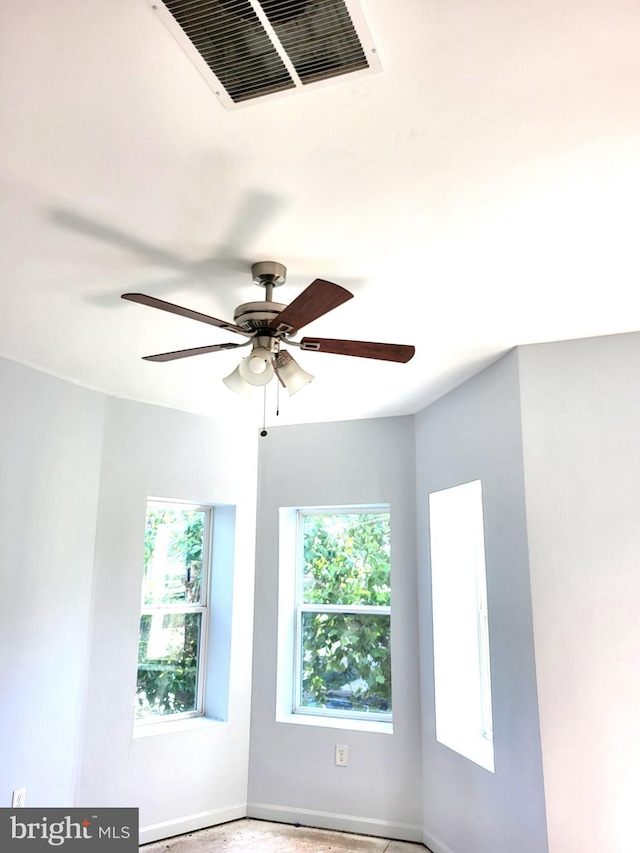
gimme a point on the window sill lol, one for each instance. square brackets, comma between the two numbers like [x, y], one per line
[166, 727]
[476, 749]
[346, 723]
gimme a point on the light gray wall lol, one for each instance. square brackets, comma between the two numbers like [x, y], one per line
[76, 469]
[197, 775]
[50, 450]
[475, 433]
[292, 771]
[581, 428]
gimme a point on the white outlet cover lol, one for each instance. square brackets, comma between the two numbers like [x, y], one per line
[18, 798]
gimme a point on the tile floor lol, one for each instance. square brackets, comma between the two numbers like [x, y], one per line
[259, 836]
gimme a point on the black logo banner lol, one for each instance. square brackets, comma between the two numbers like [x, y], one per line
[69, 830]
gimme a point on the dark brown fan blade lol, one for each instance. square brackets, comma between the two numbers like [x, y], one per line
[152, 302]
[317, 299]
[363, 349]
[185, 353]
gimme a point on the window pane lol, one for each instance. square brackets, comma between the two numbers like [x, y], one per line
[346, 664]
[462, 673]
[167, 663]
[346, 558]
[174, 540]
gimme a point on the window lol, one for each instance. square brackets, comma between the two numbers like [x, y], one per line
[343, 613]
[460, 623]
[174, 614]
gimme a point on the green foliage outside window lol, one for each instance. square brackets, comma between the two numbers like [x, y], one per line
[169, 633]
[182, 546]
[168, 685]
[346, 661]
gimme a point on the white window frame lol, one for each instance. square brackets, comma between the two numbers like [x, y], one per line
[179, 608]
[301, 607]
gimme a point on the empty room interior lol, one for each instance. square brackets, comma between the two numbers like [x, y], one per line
[376, 571]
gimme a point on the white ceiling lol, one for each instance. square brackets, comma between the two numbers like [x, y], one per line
[482, 191]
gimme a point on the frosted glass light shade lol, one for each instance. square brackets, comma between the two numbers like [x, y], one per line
[237, 383]
[292, 375]
[257, 368]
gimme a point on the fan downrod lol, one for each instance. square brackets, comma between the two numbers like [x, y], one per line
[268, 274]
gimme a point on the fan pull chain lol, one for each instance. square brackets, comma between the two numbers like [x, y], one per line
[263, 431]
[278, 400]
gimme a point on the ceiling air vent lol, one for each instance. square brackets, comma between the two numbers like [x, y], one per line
[247, 49]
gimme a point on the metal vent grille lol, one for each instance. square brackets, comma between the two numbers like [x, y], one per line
[250, 49]
[229, 37]
[318, 37]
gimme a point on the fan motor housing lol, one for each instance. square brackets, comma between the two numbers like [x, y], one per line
[252, 316]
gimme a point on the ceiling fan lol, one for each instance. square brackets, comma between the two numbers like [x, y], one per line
[267, 325]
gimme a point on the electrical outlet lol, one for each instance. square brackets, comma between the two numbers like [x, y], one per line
[18, 798]
[342, 755]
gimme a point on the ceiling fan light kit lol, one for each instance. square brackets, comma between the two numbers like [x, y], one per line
[236, 383]
[257, 368]
[268, 324]
[289, 372]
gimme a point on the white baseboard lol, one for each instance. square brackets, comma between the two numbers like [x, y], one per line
[434, 844]
[341, 822]
[284, 814]
[190, 823]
